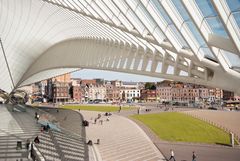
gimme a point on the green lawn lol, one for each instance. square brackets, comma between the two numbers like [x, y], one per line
[96, 108]
[173, 126]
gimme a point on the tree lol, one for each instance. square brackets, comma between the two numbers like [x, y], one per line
[150, 85]
[71, 91]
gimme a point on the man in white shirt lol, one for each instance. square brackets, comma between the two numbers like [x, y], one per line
[172, 155]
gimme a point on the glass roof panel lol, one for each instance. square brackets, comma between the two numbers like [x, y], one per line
[28, 28]
[162, 17]
[216, 26]
[199, 41]
[89, 8]
[195, 33]
[136, 22]
[99, 11]
[206, 8]
[210, 15]
[232, 59]
[180, 8]
[234, 5]
[236, 16]
[160, 10]
[118, 14]
[178, 36]
[146, 18]
[76, 5]
[205, 51]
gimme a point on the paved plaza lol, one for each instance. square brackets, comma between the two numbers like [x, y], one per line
[120, 139]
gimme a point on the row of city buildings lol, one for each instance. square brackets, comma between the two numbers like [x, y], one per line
[66, 89]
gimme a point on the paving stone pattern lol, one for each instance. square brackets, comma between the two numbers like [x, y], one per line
[120, 139]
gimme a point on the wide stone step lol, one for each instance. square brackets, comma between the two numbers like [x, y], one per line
[76, 154]
[68, 147]
[65, 137]
[123, 145]
[128, 150]
[72, 144]
[73, 158]
[51, 158]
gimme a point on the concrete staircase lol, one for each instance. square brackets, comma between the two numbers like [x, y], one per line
[120, 139]
[54, 146]
[15, 126]
[61, 146]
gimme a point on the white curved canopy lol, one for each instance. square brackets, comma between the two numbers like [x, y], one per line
[198, 39]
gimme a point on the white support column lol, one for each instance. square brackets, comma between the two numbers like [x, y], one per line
[164, 63]
[109, 54]
[155, 60]
[85, 52]
[146, 58]
[118, 56]
[104, 57]
[176, 69]
[138, 58]
[190, 67]
[97, 55]
[131, 55]
[124, 56]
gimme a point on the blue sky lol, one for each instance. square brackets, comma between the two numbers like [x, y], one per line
[108, 75]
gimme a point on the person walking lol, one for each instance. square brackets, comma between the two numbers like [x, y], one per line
[172, 155]
[36, 115]
[120, 108]
[27, 144]
[194, 156]
[30, 151]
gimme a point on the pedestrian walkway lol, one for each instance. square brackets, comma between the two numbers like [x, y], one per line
[120, 139]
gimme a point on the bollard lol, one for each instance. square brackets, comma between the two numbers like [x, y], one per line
[232, 139]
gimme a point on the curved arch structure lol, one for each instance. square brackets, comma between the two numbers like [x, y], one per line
[169, 39]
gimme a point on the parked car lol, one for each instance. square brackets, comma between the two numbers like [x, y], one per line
[212, 108]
